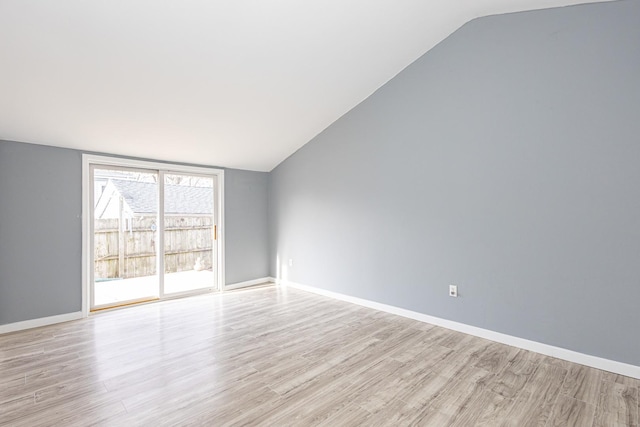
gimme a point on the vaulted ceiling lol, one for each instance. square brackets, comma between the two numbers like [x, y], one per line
[240, 83]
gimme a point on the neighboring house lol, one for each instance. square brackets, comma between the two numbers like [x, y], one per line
[137, 199]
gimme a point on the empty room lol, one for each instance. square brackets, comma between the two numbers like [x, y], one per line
[335, 213]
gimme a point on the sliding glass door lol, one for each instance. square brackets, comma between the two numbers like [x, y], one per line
[189, 233]
[153, 233]
[124, 236]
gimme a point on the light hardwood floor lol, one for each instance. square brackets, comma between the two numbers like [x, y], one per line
[278, 357]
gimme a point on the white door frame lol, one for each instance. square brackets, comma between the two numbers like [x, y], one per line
[87, 220]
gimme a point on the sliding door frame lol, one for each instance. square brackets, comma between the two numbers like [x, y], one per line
[89, 160]
[161, 236]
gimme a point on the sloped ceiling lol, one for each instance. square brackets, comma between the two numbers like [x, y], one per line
[239, 84]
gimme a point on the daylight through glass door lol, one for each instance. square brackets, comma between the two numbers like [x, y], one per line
[125, 218]
[153, 234]
[189, 233]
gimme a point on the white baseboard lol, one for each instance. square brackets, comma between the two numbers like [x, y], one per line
[248, 283]
[546, 349]
[42, 321]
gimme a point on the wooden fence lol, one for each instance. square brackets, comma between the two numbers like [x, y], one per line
[131, 251]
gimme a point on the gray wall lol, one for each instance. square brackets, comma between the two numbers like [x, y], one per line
[506, 161]
[41, 230]
[247, 248]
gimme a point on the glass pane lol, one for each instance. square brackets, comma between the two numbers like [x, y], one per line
[189, 233]
[125, 236]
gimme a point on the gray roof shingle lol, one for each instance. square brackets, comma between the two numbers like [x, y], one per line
[142, 197]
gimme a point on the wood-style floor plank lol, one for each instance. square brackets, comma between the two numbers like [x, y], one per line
[277, 356]
[571, 412]
[582, 383]
[617, 405]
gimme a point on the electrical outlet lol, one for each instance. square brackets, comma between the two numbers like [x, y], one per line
[453, 291]
[290, 262]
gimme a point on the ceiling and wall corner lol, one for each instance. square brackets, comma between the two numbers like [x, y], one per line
[240, 84]
[505, 162]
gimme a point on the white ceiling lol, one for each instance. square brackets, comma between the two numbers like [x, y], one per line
[234, 83]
